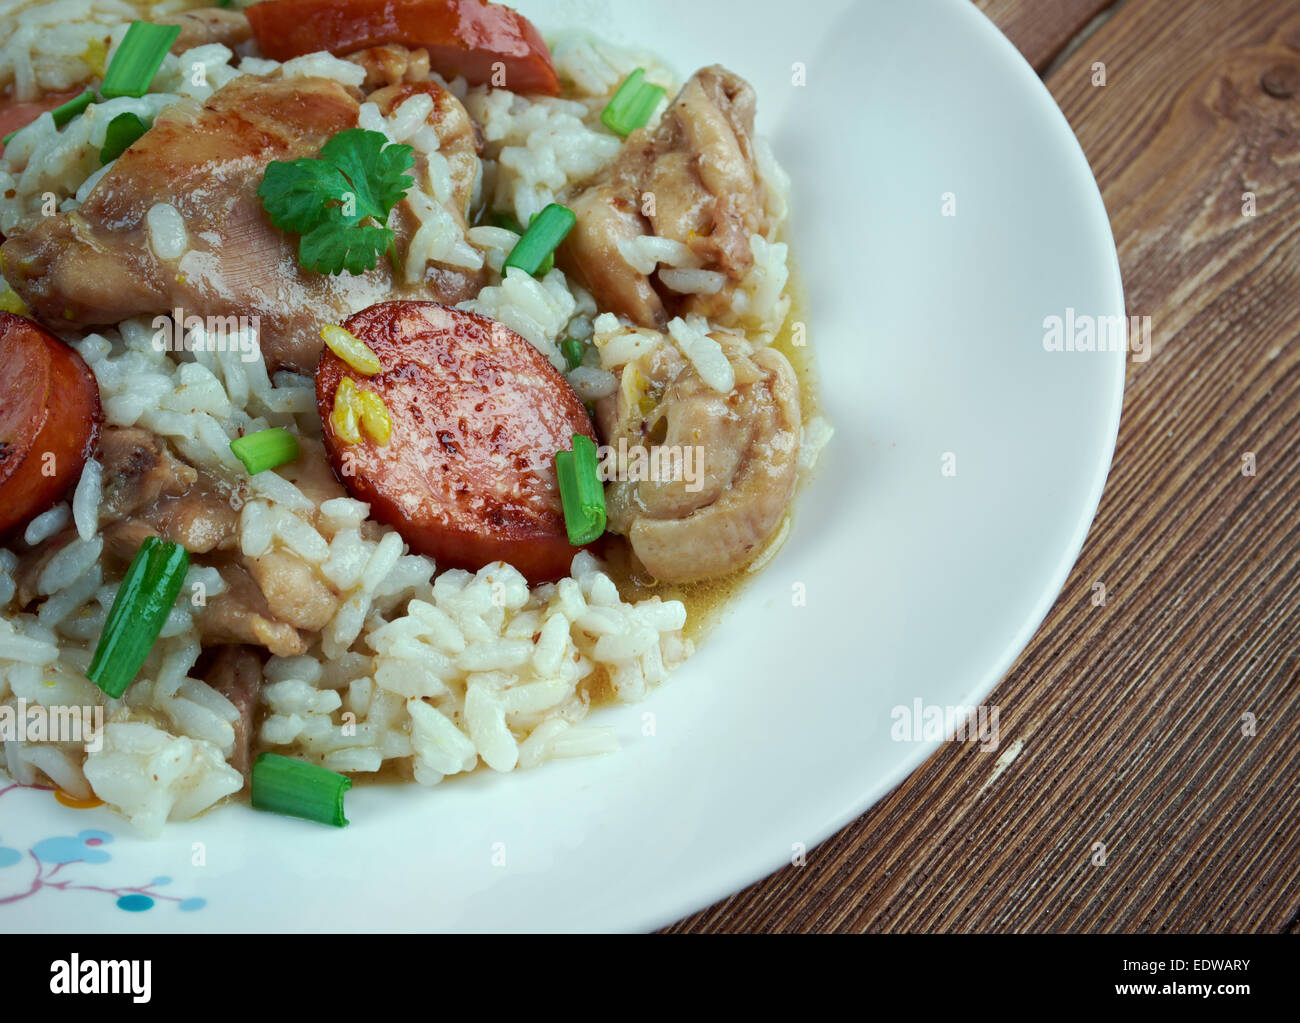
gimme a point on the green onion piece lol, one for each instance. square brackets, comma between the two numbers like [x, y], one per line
[511, 224]
[539, 242]
[298, 789]
[631, 106]
[572, 348]
[138, 59]
[266, 449]
[143, 602]
[581, 491]
[62, 114]
[124, 131]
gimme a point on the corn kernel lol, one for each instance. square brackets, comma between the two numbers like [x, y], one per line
[351, 349]
[344, 416]
[375, 419]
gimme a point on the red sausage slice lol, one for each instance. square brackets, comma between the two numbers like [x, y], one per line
[49, 419]
[478, 414]
[473, 38]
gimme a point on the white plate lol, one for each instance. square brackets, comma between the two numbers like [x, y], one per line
[929, 335]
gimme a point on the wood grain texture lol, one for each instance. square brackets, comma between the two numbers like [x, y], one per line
[1041, 30]
[1130, 715]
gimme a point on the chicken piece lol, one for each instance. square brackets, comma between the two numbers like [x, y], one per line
[609, 212]
[694, 180]
[138, 470]
[391, 65]
[704, 175]
[148, 492]
[294, 594]
[236, 673]
[715, 516]
[205, 25]
[122, 540]
[95, 265]
[310, 472]
[460, 144]
[241, 614]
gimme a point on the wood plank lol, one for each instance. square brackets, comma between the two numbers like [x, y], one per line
[1041, 31]
[1131, 714]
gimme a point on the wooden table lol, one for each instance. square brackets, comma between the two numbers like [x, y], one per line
[1134, 716]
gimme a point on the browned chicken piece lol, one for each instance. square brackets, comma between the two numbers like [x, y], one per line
[294, 593]
[95, 266]
[693, 180]
[138, 470]
[391, 65]
[610, 212]
[716, 517]
[149, 492]
[236, 673]
[205, 25]
[461, 145]
[241, 614]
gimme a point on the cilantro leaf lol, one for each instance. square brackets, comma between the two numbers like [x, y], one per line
[334, 246]
[377, 170]
[340, 203]
[296, 194]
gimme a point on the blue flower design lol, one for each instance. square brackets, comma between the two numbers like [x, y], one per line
[55, 853]
[82, 849]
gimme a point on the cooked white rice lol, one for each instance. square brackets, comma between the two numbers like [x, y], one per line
[426, 675]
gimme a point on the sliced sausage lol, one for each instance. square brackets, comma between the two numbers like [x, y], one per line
[49, 419]
[472, 38]
[478, 414]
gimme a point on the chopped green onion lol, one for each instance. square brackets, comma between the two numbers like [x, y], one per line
[138, 59]
[539, 242]
[124, 131]
[266, 449]
[143, 602]
[581, 491]
[631, 106]
[62, 114]
[511, 224]
[298, 789]
[572, 349]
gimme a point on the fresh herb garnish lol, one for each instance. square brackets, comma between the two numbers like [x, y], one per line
[138, 59]
[632, 105]
[339, 204]
[124, 131]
